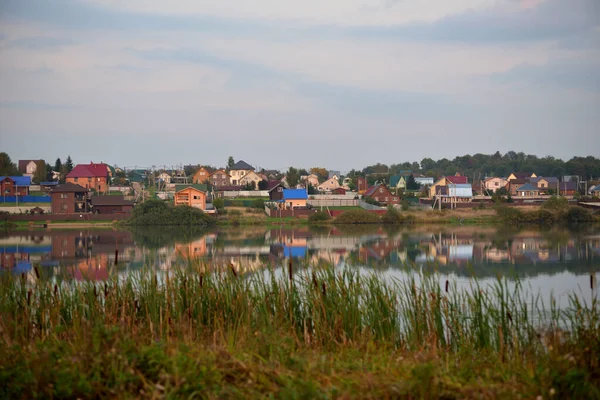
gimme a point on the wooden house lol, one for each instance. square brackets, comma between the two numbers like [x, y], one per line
[190, 196]
[111, 205]
[14, 185]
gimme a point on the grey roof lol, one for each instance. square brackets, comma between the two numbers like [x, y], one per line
[68, 187]
[549, 179]
[110, 201]
[242, 165]
[527, 187]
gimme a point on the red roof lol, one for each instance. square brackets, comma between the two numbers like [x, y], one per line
[457, 180]
[89, 171]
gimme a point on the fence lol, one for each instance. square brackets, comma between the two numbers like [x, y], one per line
[333, 202]
[370, 207]
[25, 199]
[245, 193]
[65, 217]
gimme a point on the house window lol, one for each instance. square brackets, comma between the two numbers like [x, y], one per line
[497, 184]
[380, 190]
[76, 179]
[63, 195]
[386, 199]
[63, 206]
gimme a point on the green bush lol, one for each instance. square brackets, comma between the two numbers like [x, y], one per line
[541, 216]
[578, 214]
[391, 216]
[357, 217]
[556, 203]
[157, 212]
[258, 204]
[219, 204]
[509, 215]
[319, 216]
[371, 201]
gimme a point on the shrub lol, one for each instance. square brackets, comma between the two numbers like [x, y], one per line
[556, 203]
[391, 216]
[578, 214]
[539, 217]
[319, 216]
[157, 212]
[219, 204]
[509, 215]
[357, 217]
[258, 204]
[405, 205]
[372, 201]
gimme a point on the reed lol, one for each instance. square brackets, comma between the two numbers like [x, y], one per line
[303, 309]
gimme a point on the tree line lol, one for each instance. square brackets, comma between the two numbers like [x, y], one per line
[44, 171]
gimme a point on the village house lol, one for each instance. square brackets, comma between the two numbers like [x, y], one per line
[456, 193]
[494, 183]
[528, 190]
[311, 179]
[382, 194]
[219, 178]
[190, 196]
[115, 204]
[93, 176]
[329, 185]
[293, 198]
[69, 198]
[457, 179]
[276, 191]
[567, 188]
[339, 191]
[164, 177]
[544, 184]
[361, 184]
[15, 185]
[238, 171]
[202, 175]
[514, 184]
[397, 182]
[29, 167]
[251, 178]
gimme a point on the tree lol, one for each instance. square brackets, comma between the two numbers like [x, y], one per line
[66, 168]
[58, 165]
[292, 177]
[40, 172]
[7, 167]
[321, 172]
[311, 189]
[49, 172]
[230, 162]
[411, 183]
[263, 185]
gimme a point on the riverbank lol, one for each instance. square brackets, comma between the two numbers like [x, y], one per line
[318, 333]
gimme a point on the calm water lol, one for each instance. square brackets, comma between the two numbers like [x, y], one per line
[557, 261]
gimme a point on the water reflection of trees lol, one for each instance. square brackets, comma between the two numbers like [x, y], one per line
[156, 238]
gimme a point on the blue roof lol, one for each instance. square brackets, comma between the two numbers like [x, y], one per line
[295, 194]
[19, 180]
[51, 183]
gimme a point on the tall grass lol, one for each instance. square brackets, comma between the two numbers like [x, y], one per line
[318, 308]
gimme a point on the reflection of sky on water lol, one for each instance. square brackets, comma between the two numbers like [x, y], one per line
[555, 260]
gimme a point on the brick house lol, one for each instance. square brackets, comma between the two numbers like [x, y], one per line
[91, 176]
[69, 198]
[220, 178]
[111, 205]
[202, 175]
[14, 185]
[382, 194]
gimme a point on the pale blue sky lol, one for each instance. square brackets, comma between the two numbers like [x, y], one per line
[341, 84]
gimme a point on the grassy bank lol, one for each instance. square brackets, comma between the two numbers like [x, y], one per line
[311, 333]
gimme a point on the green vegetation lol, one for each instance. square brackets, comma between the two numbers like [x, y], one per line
[393, 216]
[319, 333]
[357, 217]
[554, 210]
[157, 212]
[319, 217]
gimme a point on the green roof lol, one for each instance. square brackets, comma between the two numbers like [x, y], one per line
[200, 186]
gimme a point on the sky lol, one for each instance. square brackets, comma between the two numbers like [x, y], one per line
[339, 83]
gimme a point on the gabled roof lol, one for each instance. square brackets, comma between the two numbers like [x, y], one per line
[595, 188]
[92, 170]
[242, 165]
[394, 179]
[18, 180]
[23, 165]
[457, 179]
[271, 185]
[518, 181]
[217, 171]
[528, 187]
[372, 189]
[110, 201]
[69, 188]
[295, 194]
[201, 187]
[549, 179]
[522, 175]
